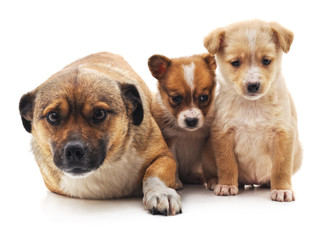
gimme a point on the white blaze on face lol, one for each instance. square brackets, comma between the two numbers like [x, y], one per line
[253, 75]
[191, 113]
[189, 74]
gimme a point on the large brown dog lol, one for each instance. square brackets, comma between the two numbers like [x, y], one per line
[94, 136]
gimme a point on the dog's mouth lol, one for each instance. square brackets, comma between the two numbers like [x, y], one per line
[253, 96]
[78, 172]
[78, 159]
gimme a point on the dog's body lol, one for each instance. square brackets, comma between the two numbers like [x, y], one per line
[254, 136]
[93, 134]
[183, 108]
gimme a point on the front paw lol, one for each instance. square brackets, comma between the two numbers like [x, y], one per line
[225, 190]
[211, 183]
[282, 195]
[160, 199]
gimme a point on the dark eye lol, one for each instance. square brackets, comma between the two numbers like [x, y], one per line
[178, 99]
[53, 118]
[236, 63]
[99, 115]
[266, 61]
[203, 98]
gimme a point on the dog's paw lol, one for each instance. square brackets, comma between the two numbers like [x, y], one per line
[211, 183]
[179, 185]
[160, 199]
[225, 190]
[282, 195]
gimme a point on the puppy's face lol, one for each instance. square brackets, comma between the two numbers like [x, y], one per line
[186, 87]
[249, 55]
[80, 120]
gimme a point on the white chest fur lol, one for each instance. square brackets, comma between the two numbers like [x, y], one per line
[111, 180]
[253, 124]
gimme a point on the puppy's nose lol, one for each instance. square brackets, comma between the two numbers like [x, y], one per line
[191, 122]
[253, 87]
[74, 152]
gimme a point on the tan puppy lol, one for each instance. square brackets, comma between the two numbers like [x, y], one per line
[94, 136]
[183, 108]
[255, 135]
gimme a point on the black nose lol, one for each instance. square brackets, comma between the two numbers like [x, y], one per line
[74, 153]
[253, 87]
[191, 122]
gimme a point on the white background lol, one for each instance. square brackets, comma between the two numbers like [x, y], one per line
[38, 38]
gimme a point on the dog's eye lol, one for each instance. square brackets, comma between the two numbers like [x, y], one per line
[99, 115]
[203, 98]
[266, 61]
[178, 99]
[236, 63]
[53, 118]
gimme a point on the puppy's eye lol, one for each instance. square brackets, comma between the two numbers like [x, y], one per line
[178, 99]
[54, 118]
[99, 115]
[203, 98]
[266, 61]
[236, 63]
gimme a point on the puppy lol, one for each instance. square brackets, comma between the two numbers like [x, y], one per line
[254, 136]
[94, 136]
[183, 108]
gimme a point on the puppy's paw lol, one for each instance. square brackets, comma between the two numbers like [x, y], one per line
[225, 190]
[160, 199]
[211, 183]
[179, 185]
[282, 195]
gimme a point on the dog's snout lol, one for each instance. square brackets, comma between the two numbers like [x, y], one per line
[74, 152]
[253, 87]
[191, 122]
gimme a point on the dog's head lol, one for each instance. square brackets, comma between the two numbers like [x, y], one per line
[186, 87]
[249, 54]
[80, 118]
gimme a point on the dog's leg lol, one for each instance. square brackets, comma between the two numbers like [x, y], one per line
[282, 154]
[226, 163]
[158, 183]
[209, 166]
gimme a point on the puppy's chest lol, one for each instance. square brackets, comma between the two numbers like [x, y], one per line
[187, 149]
[114, 179]
[253, 126]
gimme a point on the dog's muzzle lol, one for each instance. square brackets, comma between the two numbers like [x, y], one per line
[74, 157]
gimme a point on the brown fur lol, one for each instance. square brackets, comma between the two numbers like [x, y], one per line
[185, 145]
[99, 81]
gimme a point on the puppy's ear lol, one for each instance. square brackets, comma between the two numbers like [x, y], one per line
[26, 108]
[210, 61]
[282, 36]
[158, 65]
[133, 103]
[214, 41]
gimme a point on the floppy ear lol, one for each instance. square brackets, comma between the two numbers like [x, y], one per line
[133, 103]
[282, 36]
[210, 61]
[26, 108]
[214, 41]
[158, 65]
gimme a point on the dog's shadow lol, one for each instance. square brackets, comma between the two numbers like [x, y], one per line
[53, 203]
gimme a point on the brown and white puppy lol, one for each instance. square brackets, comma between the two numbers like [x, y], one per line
[94, 136]
[254, 136]
[183, 108]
